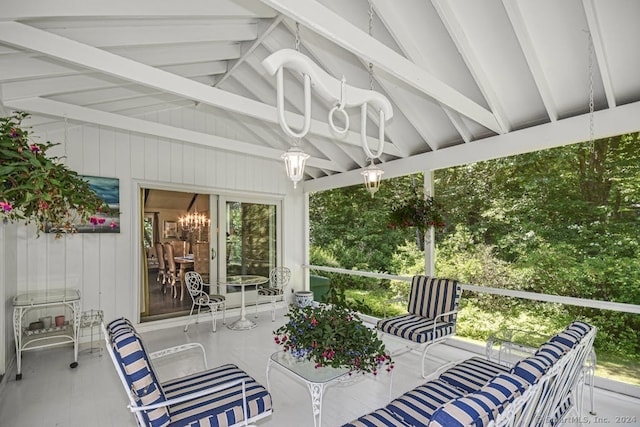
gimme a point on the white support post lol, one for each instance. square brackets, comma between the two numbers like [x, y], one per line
[429, 237]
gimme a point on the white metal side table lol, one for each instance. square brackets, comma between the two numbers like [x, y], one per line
[243, 281]
[316, 379]
[29, 339]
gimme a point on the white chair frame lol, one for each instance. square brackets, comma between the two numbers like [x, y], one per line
[200, 299]
[278, 281]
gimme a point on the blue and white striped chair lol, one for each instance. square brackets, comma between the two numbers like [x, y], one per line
[431, 318]
[225, 396]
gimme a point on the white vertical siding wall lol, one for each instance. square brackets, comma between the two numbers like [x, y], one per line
[105, 266]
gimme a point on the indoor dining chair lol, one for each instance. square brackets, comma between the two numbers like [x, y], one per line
[162, 266]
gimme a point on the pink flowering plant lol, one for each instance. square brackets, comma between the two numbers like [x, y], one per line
[333, 336]
[36, 187]
[417, 211]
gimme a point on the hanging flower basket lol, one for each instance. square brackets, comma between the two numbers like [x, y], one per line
[37, 188]
[422, 213]
[333, 336]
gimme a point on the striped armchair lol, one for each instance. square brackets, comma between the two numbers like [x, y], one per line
[225, 396]
[431, 318]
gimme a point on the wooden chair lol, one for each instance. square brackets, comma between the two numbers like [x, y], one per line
[431, 318]
[201, 299]
[162, 266]
[172, 275]
[278, 280]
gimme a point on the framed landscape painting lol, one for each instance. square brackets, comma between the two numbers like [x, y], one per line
[102, 222]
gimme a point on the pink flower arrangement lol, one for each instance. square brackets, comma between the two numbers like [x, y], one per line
[333, 336]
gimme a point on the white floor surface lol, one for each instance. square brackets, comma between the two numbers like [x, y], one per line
[51, 394]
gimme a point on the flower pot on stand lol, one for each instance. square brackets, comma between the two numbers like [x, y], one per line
[59, 321]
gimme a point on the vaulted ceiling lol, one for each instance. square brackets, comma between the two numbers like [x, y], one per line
[467, 80]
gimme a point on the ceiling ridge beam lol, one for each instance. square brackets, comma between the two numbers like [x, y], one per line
[27, 37]
[332, 26]
[116, 121]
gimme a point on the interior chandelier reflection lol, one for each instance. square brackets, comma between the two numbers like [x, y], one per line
[194, 222]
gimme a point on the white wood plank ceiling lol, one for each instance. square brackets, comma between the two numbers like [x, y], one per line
[468, 80]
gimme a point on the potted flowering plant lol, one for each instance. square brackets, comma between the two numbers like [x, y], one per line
[333, 336]
[37, 188]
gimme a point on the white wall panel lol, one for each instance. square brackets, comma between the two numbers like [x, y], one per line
[105, 266]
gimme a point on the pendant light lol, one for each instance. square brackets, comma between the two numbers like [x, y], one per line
[294, 160]
[372, 176]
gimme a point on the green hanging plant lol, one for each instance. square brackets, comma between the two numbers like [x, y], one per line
[40, 189]
[419, 212]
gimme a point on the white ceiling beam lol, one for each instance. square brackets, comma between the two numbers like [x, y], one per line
[111, 120]
[19, 10]
[600, 58]
[96, 59]
[409, 44]
[146, 35]
[329, 24]
[274, 23]
[93, 81]
[609, 122]
[528, 50]
[459, 37]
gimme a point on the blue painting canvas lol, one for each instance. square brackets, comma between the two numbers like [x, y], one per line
[102, 222]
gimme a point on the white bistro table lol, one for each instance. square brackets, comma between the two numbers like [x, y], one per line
[28, 339]
[243, 281]
[316, 379]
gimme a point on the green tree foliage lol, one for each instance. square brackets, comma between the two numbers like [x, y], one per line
[562, 221]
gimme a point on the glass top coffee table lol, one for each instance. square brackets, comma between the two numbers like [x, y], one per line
[316, 379]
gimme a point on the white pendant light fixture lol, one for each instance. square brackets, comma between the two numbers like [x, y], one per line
[333, 90]
[294, 161]
[372, 176]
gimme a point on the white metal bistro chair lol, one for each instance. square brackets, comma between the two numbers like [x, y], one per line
[201, 299]
[278, 280]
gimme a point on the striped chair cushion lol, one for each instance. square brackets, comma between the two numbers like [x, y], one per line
[415, 328]
[479, 408]
[138, 373]
[416, 407]
[222, 408]
[580, 327]
[269, 291]
[551, 351]
[118, 326]
[430, 297]
[567, 337]
[531, 368]
[472, 374]
[380, 418]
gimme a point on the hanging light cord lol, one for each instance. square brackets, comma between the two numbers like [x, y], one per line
[371, 35]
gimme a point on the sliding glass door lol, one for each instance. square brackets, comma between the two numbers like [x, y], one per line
[252, 242]
[214, 235]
